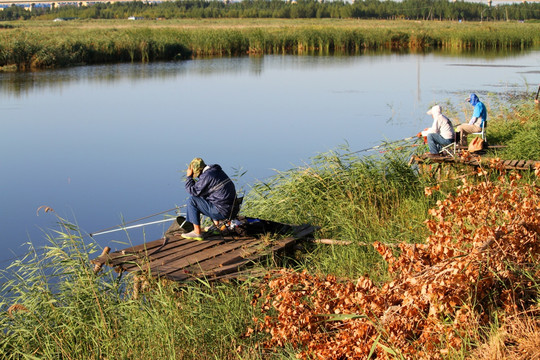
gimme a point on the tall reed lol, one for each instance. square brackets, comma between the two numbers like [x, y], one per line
[350, 198]
[38, 45]
[55, 307]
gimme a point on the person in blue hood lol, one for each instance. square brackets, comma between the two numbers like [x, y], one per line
[213, 195]
[478, 120]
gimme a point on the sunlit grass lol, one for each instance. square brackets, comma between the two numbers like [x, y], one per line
[41, 44]
[55, 307]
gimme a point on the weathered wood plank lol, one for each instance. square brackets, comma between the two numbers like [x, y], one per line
[238, 255]
[238, 258]
[529, 164]
[506, 164]
[191, 250]
[131, 251]
[178, 262]
[235, 266]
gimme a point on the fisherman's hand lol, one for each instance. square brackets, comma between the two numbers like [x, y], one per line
[189, 172]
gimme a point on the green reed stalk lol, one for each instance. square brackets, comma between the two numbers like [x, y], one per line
[59, 309]
[38, 45]
[350, 198]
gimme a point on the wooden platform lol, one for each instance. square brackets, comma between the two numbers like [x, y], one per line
[214, 258]
[477, 161]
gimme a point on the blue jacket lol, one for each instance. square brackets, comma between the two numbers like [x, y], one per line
[214, 186]
[479, 111]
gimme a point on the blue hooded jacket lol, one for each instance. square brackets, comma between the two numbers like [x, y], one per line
[214, 186]
[479, 111]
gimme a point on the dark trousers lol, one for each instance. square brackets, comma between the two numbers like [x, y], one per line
[197, 206]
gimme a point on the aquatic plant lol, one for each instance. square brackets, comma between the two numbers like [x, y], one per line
[34, 46]
[54, 306]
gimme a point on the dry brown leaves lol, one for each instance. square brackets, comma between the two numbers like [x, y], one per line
[483, 241]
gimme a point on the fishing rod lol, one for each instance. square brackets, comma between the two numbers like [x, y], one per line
[124, 227]
[132, 226]
[385, 144]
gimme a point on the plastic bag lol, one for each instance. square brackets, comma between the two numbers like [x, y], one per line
[476, 144]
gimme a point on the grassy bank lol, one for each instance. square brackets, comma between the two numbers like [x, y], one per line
[55, 307]
[44, 44]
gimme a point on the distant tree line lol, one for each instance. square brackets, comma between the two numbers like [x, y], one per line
[361, 9]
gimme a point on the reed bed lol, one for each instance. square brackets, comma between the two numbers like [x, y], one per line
[36, 45]
[358, 200]
[55, 307]
[517, 127]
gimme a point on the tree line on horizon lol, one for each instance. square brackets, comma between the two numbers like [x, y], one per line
[300, 9]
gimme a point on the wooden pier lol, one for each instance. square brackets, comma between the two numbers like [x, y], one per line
[217, 257]
[475, 160]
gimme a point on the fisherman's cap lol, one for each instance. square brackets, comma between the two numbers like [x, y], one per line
[197, 165]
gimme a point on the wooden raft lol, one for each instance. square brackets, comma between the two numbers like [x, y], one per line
[217, 257]
[475, 161]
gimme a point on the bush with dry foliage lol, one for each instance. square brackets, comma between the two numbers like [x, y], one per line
[481, 259]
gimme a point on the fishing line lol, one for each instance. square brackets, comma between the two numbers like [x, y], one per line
[386, 144]
[123, 226]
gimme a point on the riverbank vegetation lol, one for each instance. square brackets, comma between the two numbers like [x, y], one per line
[39, 44]
[301, 9]
[434, 268]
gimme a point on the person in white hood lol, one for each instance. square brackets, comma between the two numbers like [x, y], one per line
[440, 134]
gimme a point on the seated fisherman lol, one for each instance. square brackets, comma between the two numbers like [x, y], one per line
[440, 134]
[213, 195]
[477, 122]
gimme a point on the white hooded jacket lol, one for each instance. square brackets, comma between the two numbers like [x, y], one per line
[441, 124]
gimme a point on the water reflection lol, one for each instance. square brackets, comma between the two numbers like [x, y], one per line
[19, 84]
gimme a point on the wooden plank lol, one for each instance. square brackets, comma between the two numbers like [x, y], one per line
[224, 270]
[188, 250]
[194, 248]
[178, 263]
[130, 251]
[529, 164]
[238, 254]
[232, 267]
[238, 258]
[276, 245]
[164, 271]
[120, 257]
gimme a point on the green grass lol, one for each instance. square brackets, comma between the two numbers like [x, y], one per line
[44, 44]
[65, 311]
[514, 123]
[351, 199]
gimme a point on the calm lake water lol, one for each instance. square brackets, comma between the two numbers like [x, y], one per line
[106, 144]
